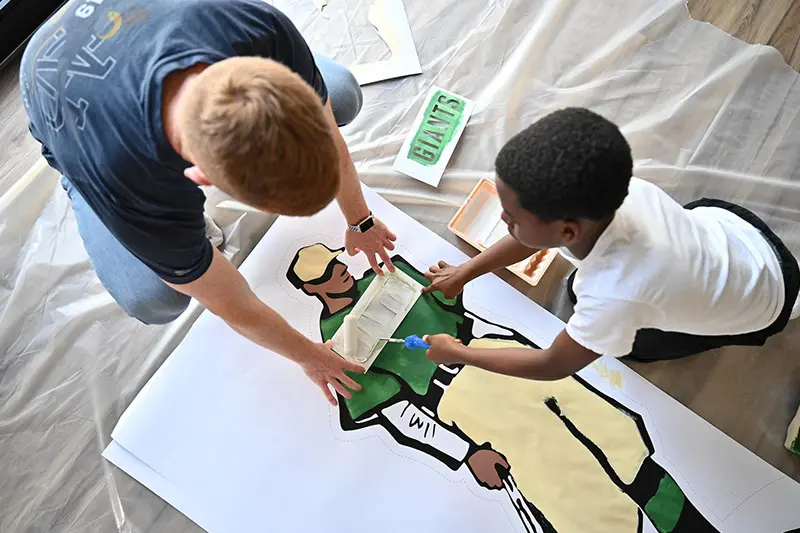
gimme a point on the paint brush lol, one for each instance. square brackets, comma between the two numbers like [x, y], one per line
[412, 342]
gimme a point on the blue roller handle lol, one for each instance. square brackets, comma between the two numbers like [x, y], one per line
[415, 342]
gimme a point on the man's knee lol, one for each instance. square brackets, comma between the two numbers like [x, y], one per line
[346, 99]
[343, 90]
[158, 306]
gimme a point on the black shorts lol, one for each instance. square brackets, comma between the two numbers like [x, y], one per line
[656, 345]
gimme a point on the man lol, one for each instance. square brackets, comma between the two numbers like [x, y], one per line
[583, 458]
[139, 102]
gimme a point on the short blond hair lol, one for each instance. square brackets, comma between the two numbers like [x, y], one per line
[260, 133]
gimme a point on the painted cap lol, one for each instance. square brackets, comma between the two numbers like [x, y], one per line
[312, 261]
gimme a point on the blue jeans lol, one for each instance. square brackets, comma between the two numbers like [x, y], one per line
[135, 287]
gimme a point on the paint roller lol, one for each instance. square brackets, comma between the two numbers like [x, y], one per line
[350, 337]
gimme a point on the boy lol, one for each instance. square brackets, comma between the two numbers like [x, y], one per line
[654, 281]
[139, 102]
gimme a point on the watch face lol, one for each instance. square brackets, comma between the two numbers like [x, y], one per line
[367, 224]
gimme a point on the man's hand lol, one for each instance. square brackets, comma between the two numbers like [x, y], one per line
[484, 465]
[445, 278]
[375, 241]
[324, 367]
[444, 349]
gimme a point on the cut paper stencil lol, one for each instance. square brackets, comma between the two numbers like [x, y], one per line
[459, 448]
[391, 22]
[450, 412]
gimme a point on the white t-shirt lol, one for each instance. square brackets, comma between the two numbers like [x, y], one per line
[703, 271]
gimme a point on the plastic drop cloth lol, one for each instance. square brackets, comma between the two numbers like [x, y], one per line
[706, 115]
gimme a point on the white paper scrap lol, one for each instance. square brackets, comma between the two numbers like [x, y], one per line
[391, 22]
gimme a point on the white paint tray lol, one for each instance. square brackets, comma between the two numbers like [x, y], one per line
[378, 313]
[478, 222]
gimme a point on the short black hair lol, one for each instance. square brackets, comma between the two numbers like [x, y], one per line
[571, 164]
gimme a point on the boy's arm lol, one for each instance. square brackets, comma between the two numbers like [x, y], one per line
[450, 280]
[563, 358]
[507, 251]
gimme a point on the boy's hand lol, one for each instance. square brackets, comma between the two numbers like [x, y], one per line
[324, 367]
[444, 349]
[445, 278]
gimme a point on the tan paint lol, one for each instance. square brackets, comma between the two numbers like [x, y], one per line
[313, 261]
[552, 468]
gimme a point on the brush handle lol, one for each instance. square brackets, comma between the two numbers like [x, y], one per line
[415, 342]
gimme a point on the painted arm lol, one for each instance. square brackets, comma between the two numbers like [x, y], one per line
[225, 292]
[563, 358]
[378, 239]
[411, 426]
[450, 280]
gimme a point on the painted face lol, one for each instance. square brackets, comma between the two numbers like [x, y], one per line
[340, 282]
[529, 229]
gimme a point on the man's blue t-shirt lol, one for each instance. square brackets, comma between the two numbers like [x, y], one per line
[91, 79]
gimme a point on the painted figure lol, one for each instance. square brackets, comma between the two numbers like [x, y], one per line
[570, 458]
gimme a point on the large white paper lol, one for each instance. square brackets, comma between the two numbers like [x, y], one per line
[239, 440]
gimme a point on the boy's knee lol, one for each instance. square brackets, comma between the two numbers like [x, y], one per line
[158, 307]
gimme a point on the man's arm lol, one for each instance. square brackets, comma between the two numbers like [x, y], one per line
[225, 292]
[378, 239]
[563, 358]
[450, 280]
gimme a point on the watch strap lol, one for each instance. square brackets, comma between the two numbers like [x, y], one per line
[364, 225]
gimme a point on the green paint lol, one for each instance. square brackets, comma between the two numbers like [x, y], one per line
[664, 508]
[441, 120]
[796, 445]
[427, 317]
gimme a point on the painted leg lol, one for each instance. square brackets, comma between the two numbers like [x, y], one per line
[653, 489]
[793, 435]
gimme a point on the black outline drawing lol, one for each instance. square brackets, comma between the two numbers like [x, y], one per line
[640, 490]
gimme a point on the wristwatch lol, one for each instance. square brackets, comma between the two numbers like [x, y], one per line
[364, 225]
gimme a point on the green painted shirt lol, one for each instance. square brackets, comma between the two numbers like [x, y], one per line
[429, 316]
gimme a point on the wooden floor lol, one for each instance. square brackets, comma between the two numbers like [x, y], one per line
[772, 22]
[748, 393]
[18, 150]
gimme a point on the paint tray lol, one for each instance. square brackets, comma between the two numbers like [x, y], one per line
[478, 222]
[378, 314]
